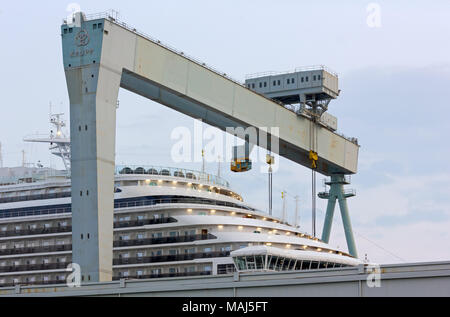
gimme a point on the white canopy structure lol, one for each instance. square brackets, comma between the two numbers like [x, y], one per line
[267, 258]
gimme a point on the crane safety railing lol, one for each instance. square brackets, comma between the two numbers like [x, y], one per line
[296, 70]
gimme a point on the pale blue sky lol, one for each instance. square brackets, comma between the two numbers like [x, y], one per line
[395, 98]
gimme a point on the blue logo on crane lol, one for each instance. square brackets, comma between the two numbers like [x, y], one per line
[82, 38]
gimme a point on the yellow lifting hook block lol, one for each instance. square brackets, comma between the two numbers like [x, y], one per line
[314, 157]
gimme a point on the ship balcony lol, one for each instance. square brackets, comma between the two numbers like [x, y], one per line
[34, 267]
[164, 240]
[36, 231]
[41, 249]
[163, 275]
[118, 243]
[171, 258]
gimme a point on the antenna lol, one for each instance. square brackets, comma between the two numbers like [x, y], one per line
[270, 160]
[283, 196]
[218, 168]
[203, 161]
[296, 223]
[23, 158]
[1, 156]
[59, 142]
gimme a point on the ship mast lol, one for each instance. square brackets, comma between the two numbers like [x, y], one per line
[59, 142]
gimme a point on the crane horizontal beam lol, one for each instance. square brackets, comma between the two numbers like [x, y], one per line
[161, 74]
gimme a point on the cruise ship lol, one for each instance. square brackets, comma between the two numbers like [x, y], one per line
[168, 222]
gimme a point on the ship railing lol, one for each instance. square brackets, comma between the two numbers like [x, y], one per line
[226, 269]
[162, 275]
[164, 240]
[117, 243]
[130, 204]
[35, 283]
[123, 261]
[33, 212]
[180, 200]
[143, 222]
[35, 231]
[115, 278]
[41, 249]
[171, 258]
[34, 267]
[189, 175]
[36, 176]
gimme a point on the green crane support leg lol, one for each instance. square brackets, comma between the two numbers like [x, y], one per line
[337, 192]
[329, 218]
[347, 224]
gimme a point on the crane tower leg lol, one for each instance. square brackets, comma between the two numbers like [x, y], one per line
[328, 218]
[347, 223]
[337, 192]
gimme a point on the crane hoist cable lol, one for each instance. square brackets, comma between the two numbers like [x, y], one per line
[314, 157]
[270, 160]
